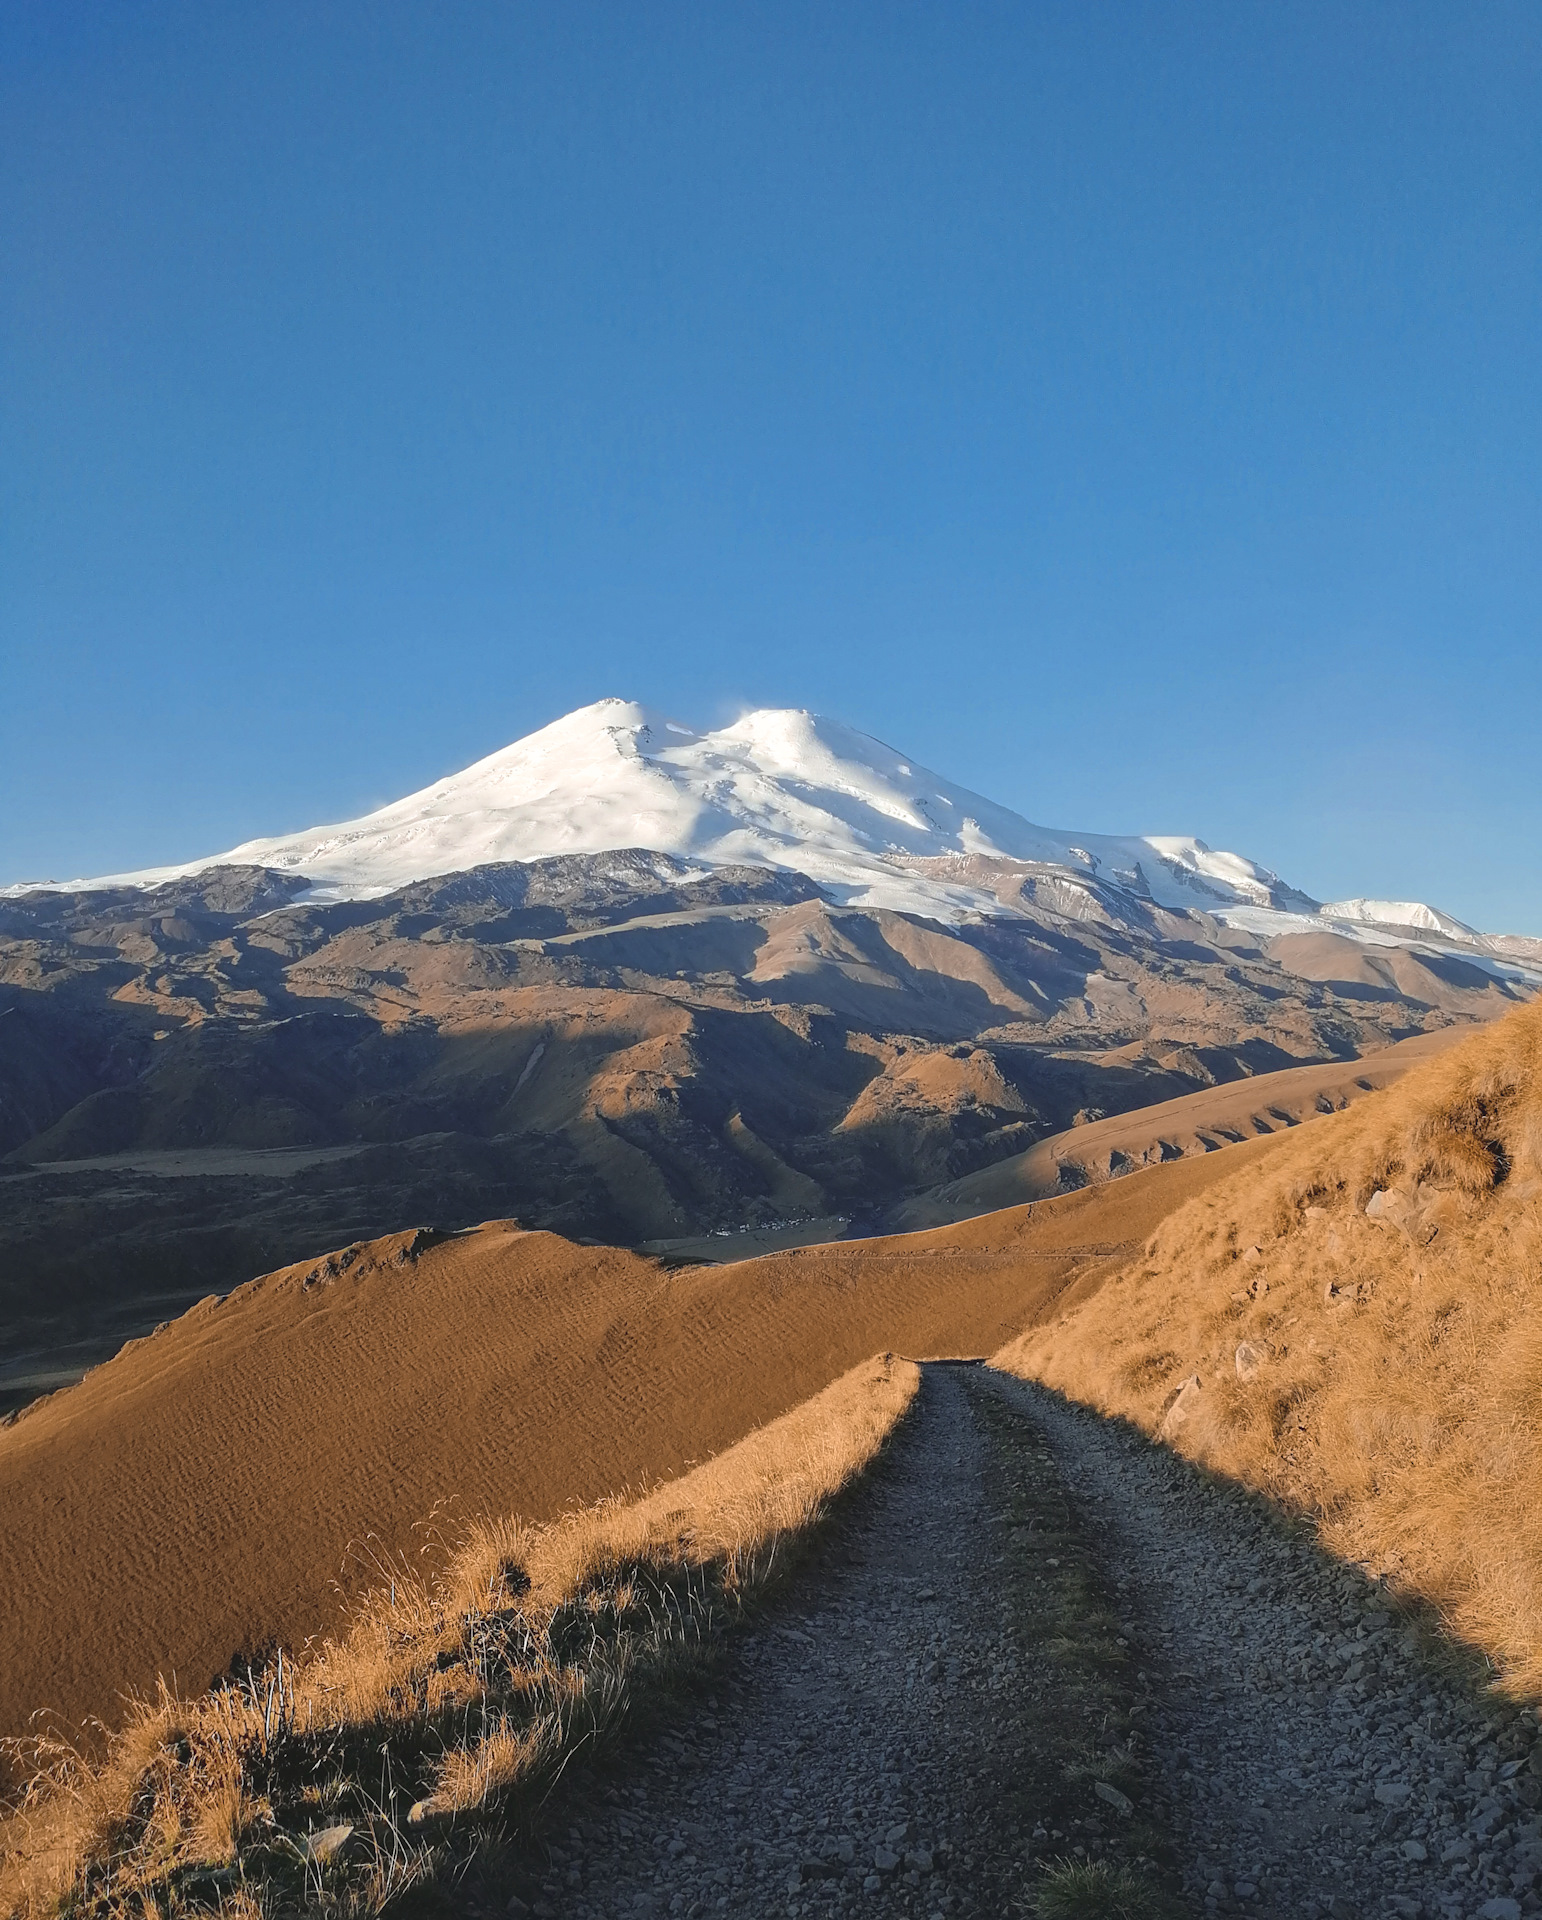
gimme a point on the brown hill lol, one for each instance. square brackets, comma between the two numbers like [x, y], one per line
[1354, 1326]
[468, 1688]
[209, 1079]
[1195, 1123]
[195, 1497]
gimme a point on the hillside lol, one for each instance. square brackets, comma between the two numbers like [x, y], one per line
[1195, 1123]
[1353, 1325]
[644, 986]
[475, 1688]
[215, 1077]
[198, 1496]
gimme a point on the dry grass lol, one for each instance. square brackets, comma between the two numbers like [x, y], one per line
[1381, 1373]
[372, 1761]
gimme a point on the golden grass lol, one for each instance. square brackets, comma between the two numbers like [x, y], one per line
[1381, 1373]
[368, 1762]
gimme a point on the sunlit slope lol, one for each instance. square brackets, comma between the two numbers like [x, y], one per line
[196, 1496]
[466, 1688]
[1358, 1318]
[782, 787]
[1195, 1123]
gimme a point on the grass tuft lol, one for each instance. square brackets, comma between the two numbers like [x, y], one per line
[1100, 1890]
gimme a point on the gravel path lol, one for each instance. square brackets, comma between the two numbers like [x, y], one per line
[863, 1748]
[1307, 1760]
[899, 1735]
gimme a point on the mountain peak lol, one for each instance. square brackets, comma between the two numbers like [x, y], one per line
[779, 787]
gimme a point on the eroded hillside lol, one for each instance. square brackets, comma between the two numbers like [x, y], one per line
[209, 1077]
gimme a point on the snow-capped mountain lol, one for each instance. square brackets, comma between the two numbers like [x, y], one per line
[1399, 913]
[781, 788]
[788, 789]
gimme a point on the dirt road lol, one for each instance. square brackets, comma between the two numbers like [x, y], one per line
[1035, 1652]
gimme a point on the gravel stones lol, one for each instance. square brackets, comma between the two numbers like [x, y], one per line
[1307, 1751]
[873, 1745]
[876, 1746]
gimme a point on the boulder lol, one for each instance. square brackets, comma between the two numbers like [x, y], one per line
[326, 1844]
[1392, 1207]
[1180, 1407]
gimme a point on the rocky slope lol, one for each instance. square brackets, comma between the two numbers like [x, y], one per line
[216, 1074]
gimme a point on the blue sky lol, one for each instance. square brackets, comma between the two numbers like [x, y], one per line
[1131, 411]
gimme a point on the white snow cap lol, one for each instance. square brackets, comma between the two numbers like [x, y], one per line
[786, 788]
[1397, 913]
[781, 787]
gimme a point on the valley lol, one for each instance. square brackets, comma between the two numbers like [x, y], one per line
[205, 1081]
[827, 986]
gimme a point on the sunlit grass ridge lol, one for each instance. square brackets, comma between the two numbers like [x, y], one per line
[1353, 1325]
[365, 1764]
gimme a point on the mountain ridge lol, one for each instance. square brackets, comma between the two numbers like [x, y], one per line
[786, 788]
[817, 1005]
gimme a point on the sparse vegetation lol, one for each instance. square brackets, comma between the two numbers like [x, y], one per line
[377, 1760]
[1097, 1890]
[1362, 1312]
[1086, 1739]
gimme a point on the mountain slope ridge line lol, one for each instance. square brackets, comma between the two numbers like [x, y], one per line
[788, 789]
[539, 1372]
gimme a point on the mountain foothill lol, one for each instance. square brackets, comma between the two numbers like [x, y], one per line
[639, 985]
[213, 1075]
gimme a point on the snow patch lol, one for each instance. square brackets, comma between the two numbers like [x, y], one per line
[1398, 913]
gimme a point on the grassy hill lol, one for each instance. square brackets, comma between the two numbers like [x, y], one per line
[1352, 1324]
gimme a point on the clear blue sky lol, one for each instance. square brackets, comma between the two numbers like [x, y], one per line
[1130, 410]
